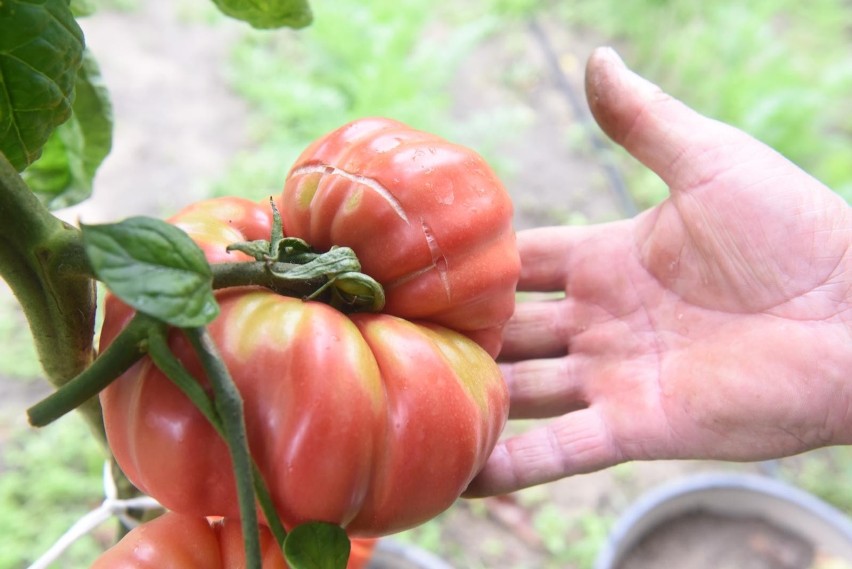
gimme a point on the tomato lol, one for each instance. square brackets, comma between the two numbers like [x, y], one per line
[368, 421]
[175, 541]
[428, 219]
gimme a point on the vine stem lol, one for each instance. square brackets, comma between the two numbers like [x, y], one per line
[36, 249]
[229, 407]
[127, 348]
[43, 262]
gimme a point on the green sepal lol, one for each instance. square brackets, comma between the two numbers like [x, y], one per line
[337, 260]
[295, 250]
[357, 292]
[259, 250]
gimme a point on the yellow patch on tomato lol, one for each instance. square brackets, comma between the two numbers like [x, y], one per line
[261, 319]
[353, 200]
[307, 189]
[474, 367]
[209, 230]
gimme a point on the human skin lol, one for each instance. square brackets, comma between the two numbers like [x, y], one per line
[716, 325]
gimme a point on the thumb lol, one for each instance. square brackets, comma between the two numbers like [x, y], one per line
[657, 129]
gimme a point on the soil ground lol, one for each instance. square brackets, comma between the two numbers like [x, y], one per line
[176, 135]
[707, 541]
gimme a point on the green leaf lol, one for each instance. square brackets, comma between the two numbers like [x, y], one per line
[155, 268]
[82, 8]
[41, 48]
[64, 174]
[317, 545]
[265, 14]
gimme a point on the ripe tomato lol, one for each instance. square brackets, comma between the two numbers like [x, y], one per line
[368, 421]
[428, 219]
[174, 541]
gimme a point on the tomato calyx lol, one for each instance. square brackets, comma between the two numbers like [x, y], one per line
[291, 267]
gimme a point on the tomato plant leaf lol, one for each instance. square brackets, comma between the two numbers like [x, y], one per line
[41, 48]
[82, 8]
[64, 173]
[155, 268]
[265, 14]
[317, 545]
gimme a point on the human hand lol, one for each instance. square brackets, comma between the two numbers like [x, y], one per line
[715, 325]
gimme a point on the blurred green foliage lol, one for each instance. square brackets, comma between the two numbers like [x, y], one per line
[18, 358]
[48, 479]
[779, 69]
[571, 540]
[392, 59]
[825, 473]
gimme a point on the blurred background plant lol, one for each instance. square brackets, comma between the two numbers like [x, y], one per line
[779, 69]
[48, 481]
[824, 473]
[357, 59]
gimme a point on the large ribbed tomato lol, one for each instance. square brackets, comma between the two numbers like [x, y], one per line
[428, 219]
[369, 421]
[174, 541]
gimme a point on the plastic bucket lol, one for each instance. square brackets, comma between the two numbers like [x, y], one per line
[734, 495]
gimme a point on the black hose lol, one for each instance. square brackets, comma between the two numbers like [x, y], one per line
[599, 145]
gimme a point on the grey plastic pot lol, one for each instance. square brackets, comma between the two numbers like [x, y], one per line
[734, 495]
[390, 554]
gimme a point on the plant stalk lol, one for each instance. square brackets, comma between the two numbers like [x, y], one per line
[229, 407]
[37, 250]
[255, 273]
[165, 360]
[127, 348]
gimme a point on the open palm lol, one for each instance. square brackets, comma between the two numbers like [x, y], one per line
[715, 325]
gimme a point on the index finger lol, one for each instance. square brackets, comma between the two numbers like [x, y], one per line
[546, 255]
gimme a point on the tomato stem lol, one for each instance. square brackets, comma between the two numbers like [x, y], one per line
[229, 407]
[265, 500]
[127, 349]
[290, 267]
[333, 277]
[227, 275]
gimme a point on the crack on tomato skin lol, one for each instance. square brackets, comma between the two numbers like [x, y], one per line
[438, 263]
[371, 183]
[439, 260]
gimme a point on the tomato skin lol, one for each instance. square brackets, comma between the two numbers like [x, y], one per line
[427, 218]
[368, 421]
[170, 541]
[175, 541]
